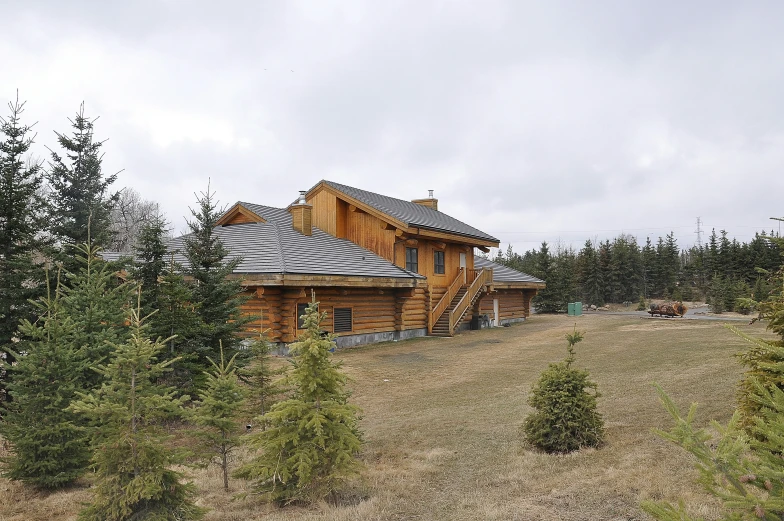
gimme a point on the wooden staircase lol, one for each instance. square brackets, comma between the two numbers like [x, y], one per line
[441, 327]
[461, 295]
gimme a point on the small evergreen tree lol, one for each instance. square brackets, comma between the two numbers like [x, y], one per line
[262, 378]
[80, 192]
[131, 457]
[743, 472]
[50, 446]
[566, 417]
[309, 448]
[217, 415]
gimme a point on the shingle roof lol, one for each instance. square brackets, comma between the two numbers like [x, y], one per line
[503, 273]
[275, 247]
[412, 214]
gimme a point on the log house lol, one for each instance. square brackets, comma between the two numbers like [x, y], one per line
[381, 268]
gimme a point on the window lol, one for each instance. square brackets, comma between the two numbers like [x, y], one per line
[300, 312]
[342, 320]
[412, 260]
[438, 263]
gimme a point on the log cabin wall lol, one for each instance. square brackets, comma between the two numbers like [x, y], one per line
[426, 254]
[373, 310]
[512, 303]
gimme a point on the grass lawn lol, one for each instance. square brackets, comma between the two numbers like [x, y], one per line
[442, 423]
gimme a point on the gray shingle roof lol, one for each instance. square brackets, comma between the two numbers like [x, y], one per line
[502, 273]
[412, 214]
[275, 247]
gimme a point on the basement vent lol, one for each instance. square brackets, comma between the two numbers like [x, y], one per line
[342, 320]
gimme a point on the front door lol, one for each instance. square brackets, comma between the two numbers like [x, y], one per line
[463, 265]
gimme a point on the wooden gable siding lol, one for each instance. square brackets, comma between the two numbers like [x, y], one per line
[238, 214]
[511, 303]
[325, 212]
[368, 231]
[373, 310]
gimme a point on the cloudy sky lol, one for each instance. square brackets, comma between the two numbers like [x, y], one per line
[556, 120]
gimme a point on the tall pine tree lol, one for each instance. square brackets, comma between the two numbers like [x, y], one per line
[218, 297]
[80, 192]
[149, 261]
[22, 225]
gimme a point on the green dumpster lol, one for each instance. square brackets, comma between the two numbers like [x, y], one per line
[570, 309]
[578, 309]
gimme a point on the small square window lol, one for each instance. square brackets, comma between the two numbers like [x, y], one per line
[438, 263]
[412, 260]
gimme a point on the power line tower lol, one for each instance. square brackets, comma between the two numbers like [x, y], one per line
[699, 233]
[780, 220]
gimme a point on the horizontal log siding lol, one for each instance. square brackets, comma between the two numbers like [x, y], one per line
[511, 304]
[373, 310]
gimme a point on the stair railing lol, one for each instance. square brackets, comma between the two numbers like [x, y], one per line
[451, 291]
[482, 278]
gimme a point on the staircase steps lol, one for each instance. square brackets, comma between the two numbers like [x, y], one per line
[441, 327]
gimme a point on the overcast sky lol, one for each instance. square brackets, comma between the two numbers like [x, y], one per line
[532, 121]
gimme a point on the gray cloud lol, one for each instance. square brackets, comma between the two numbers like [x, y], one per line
[531, 120]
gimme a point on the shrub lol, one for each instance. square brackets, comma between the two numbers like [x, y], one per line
[566, 418]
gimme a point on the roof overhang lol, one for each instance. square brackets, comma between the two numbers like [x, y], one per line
[519, 285]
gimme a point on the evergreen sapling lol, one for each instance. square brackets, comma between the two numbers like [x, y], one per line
[217, 415]
[310, 446]
[131, 457]
[566, 416]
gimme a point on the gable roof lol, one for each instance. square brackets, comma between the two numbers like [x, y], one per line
[409, 213]
[503, 273]
[275, 247]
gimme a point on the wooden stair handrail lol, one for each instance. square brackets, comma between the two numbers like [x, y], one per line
[451, 291]
[483, 278]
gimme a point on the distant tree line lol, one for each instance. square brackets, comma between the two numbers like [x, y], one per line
[728, 274]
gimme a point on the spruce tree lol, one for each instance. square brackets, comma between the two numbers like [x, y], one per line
[49, 443]
[261, 377]
[131, 456]
[149, 261]
[218, 297]
[311, 442]
[564, 398]
[98, 304]
[547, 299]
[22, 226]
[217, 415]
[80, 192]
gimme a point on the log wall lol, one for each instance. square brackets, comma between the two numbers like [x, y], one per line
[512, 303]
[373, 310]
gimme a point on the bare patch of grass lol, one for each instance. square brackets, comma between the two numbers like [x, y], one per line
[442, 422]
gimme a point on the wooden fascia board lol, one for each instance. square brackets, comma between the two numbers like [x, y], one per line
[239, 209]
[296, 280]
[452, 237]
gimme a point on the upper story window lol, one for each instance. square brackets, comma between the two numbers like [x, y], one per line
[439, 267]
[412, 260]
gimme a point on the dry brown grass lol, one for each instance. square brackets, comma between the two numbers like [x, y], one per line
[442, 418]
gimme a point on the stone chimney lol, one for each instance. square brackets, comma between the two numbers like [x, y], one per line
[429, 202]
[302, 215]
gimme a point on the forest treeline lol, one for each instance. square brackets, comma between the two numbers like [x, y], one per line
[728, 274]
